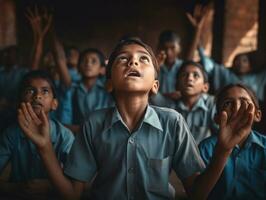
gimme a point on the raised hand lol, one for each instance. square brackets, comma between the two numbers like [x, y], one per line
[40, 21]
[199, 15]
[234, 129]
[36, 128]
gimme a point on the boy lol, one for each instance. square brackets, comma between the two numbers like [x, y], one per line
[195, 105]
[133, 146]
[38, 93]
[244, 174]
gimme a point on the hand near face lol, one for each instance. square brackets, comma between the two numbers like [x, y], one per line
[235, 127]
[36, 128]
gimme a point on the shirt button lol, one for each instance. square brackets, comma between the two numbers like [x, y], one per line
[131, 140]
[131, 170]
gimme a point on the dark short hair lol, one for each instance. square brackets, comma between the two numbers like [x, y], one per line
[35, 75]
[126, 42]
[69, 49]
[168, 36]
[220, 95]
[92, 50]
[195, 64]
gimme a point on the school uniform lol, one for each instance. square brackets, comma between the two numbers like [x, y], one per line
[74, 74]
[244, 175]
[200, 118]
[221, 76]
[23, 155]
[133, 165]
[167, 77]
[85, 101]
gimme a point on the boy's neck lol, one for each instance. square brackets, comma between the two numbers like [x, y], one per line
[190, 101]
[131, 108]
[89, 82]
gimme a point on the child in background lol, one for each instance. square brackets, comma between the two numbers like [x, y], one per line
[89, 94]
[37, 92]
[130, 149]
[244, 175]
[72, 57]
[195, 104]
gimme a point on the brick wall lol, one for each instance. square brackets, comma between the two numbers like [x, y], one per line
[7, 23]
[240, 28]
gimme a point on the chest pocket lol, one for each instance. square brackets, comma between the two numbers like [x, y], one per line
[158, 172]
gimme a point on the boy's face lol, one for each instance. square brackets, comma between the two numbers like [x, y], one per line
[133, 71]
[232, 100]
[242, 64]
[191, 81]
[90, 66]
[40, 95]
[172, 50]
[73, 58]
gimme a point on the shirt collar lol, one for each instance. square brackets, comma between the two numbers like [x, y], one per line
[254, 138]
[98, 84]
[150, 118]
[177, 63]
[199, 104]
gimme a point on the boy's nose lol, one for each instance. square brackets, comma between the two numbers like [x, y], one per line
[133, 62]
[37, 96]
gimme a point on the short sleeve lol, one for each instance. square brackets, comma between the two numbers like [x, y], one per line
[81, 164]
[186, 160]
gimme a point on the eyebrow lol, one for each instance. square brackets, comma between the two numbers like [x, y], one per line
[143, 52]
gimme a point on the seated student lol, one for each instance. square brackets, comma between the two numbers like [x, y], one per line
[36, 92]
[240, 71]
[89, 94]
[72, 57]
[244, 174]
[130, 149]
[195, 104]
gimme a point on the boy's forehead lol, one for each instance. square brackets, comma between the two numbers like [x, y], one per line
[130, 48]
[38, 82]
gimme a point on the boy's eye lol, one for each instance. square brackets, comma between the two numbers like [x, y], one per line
[45, 91]
[29, 91]
[226, 104]
[196, 75]
[145, 59]
[123, 59]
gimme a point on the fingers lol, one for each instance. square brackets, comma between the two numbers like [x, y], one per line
[32, 114]
[223, 118]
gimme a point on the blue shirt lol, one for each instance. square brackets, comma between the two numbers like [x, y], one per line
[167, 77]
[244, 175]
[23, 155]
[200, 118]
[222, 76]
[133, 165]
[85, 101]
[74, 74]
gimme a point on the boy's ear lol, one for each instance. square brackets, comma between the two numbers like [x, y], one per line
[257, 115]
[54, 104]
[155, 87]
[205, 87]
[109, 86]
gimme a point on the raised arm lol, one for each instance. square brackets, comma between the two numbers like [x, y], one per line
[60, 60]
[36, 128]
[233, 130]
[40, 24]
[197, 20]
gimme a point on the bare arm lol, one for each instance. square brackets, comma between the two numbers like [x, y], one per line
[36, 128]
[197, 21]
[40, 25]
[60, 59]
[233, 131]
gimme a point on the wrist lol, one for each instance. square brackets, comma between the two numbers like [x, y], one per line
[222, 151]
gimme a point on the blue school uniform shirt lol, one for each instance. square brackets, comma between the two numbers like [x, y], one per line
[221, 76]
[244, 175]
[74, 74]
[85, 101]
[133, 165]
[23, 155]
[167, 77]
[9, 82]
[200, 118]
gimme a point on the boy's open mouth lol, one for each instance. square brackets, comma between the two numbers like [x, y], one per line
[133, 74]
[36, 104]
